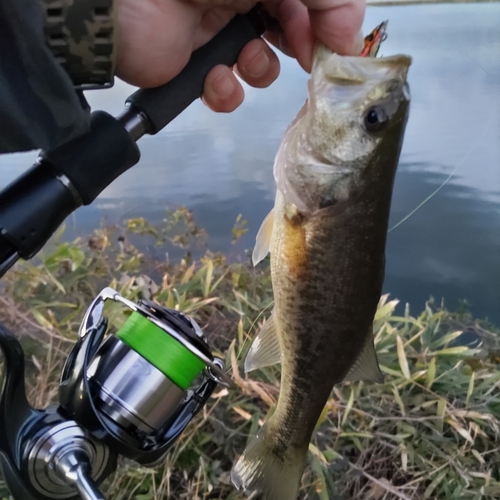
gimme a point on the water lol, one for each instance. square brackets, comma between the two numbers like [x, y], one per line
[221, 165]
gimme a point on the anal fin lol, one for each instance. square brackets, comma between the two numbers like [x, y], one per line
[366, 365]
[265, 349]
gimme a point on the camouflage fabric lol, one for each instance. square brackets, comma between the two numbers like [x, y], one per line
[80, 34]
[39, 107]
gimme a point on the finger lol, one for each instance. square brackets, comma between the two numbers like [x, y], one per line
[277, 37]
[337, 23]
[222, 91]
[257, 64]
[147, 53]
[294, 19]
[212, 21]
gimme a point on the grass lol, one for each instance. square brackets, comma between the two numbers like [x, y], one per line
[430, 431]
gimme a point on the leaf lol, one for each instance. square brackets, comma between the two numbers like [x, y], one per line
[435, 483]
[322, 417]
[316, 466]
[317, 453]
[390, 371]
[398, 399]
[463, 432]
[41, 319]
[242, 413]
[441, 408]
[331, 455]
[55, 281]
[217, 283]
[446, 339]
[431, 373]
[357, 434]
[403, 362]
[188, 274]
[470, 389]
[478, 456]
[404, 458]
[348, 407]
[386, 309]
[208, 278]
[462, 349]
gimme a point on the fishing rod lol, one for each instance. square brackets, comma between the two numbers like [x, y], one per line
[74, 174]
[126, 393]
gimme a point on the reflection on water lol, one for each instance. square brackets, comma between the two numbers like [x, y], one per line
[221, 165]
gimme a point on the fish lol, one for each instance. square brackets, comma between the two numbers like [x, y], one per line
[326, 235]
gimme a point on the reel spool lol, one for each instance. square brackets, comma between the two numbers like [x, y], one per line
[131, 393]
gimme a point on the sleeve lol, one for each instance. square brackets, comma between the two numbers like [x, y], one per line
[39, 107]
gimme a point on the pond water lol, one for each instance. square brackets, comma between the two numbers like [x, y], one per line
[221, 165]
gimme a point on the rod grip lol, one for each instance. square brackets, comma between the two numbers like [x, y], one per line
[162, 104]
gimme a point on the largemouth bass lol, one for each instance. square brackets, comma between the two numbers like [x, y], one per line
[327, 233]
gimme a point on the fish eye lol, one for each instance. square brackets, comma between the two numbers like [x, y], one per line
[375, 119]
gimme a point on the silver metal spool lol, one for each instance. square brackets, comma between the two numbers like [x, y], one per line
[132, 391]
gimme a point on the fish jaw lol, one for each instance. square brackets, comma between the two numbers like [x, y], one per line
[325, 151]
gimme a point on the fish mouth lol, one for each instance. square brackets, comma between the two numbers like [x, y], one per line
[353, 70]
[349, 82]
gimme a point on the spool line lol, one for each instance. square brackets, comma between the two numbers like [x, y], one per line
[164, 352]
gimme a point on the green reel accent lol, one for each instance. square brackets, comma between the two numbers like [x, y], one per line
[164, 352]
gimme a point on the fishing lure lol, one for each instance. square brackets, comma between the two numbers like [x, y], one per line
[373, 40]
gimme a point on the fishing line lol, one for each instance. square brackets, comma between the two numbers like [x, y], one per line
[251, 327]
[460, 164]
[420, 205]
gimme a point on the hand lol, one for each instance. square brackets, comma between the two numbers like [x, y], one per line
[156, 38]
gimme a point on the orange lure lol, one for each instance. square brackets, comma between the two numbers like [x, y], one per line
[373, 40]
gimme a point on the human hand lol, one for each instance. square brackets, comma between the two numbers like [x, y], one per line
[156, 38]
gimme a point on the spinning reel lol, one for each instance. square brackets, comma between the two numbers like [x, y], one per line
[130, 393]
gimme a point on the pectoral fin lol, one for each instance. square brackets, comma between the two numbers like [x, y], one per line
[263, 239]
[366, 365]
[265, 350]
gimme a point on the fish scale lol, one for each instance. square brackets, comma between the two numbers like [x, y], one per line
[327, 304]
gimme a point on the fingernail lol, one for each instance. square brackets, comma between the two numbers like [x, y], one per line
[259, 64]
[223, 86]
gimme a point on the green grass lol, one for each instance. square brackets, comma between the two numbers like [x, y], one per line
[430, 431]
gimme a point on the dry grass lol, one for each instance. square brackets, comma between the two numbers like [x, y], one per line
[430, 431]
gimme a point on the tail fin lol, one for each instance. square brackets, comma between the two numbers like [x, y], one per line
[260, 469]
